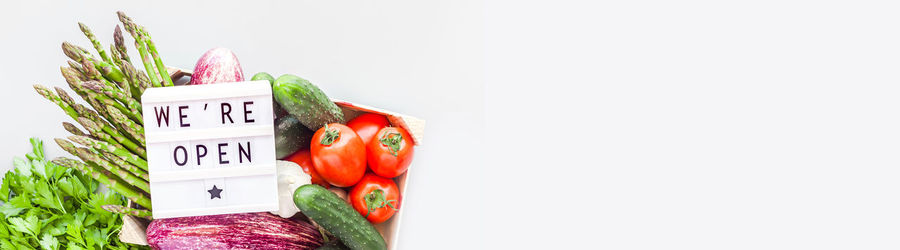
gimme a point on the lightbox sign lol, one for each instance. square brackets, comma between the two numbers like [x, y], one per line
[210, 149]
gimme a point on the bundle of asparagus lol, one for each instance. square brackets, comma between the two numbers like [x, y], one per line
[114, 147]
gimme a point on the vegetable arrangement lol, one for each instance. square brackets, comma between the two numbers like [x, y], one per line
[48, 206]
[340, 155]
[338, 177]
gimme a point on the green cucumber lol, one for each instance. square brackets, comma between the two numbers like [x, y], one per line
[335, 215]
[305, 101]
[263, 76]
[333, 245]
[278, 111]
[290, 136]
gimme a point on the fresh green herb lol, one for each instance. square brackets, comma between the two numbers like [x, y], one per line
[46, 206]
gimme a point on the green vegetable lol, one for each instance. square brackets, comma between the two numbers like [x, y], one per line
[127, 210]
[333, 245]
[90, 35]
[48, 206]
[140, 42]
[112, 121]
[263, 76]
[122, 153]
[163, 73]
[290, 136]
[307, 102]
[335, 215]
[277, 109]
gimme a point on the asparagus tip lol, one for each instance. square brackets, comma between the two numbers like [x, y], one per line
[42, 90]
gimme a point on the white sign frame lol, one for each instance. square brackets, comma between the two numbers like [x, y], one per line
[251, 186]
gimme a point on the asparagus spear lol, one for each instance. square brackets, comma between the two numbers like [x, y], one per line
[119, 42]
[87, 123]
[155, 79]
[74, 130]
[118, 161]
[80, 109]
[89, 113]
[90, 35]
[107, 141]
[65, 97]
[117, 94]
[110, 72]
[133, 111]
[95, 131]
[72, 51]
[116, 59]
[163, 73]
[137, 79]
[103, 177]
[76, 84]
[128, 177]
[111, 136]
[135, 130]
[79, 55]
[128, 211]
[107, 147]
[125, 84]
[46, 93]
[73, 77]
[79, 72]
[92, 73]
[130, 85]
[87, 156]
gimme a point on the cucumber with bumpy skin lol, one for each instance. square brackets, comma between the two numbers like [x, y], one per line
[290, 136]
[305, 101]
[335, 215]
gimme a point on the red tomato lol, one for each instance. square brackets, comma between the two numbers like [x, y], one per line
[304, 159]
[366, 125]
[390, 152]
[338, 155]
[376, 198]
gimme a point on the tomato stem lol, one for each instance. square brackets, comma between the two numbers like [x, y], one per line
[375, 200]
[331, 135]
[392, 141]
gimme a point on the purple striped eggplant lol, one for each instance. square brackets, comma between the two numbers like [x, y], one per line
[233, 231]
[215, 66]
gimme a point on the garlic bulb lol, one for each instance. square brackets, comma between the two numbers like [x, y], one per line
[290, 177]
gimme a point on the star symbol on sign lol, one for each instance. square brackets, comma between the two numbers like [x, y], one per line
[215, 192]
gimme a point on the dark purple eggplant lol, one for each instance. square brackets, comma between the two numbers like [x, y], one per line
[233, 231]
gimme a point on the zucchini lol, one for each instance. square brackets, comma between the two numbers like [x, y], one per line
[290, 136]
[278, 111]
[305, 101]
[336, 216]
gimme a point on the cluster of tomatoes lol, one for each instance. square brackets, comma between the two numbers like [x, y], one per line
[339, 155]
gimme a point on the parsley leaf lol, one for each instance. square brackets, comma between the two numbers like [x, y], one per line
[49, 242]
[22, 166]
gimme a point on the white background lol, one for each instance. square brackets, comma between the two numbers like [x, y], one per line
[627, 125]
[693, 124]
